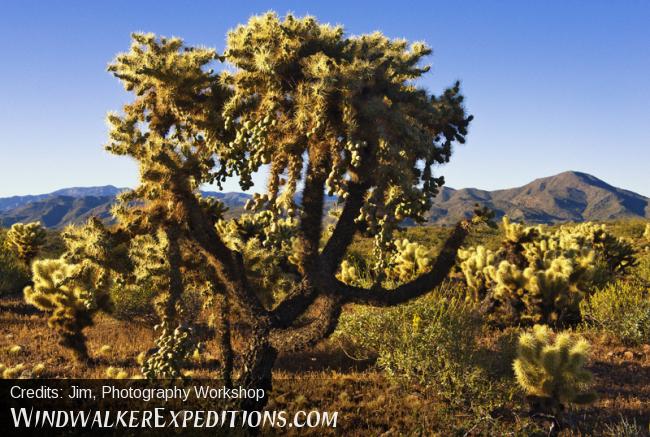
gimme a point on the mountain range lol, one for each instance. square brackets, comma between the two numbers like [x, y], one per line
[569, 196]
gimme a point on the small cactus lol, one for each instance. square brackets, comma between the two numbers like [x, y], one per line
[71, 293]
[18, 371]
[116, 373]
[349, 273]
[475, 265]
[26, 240]
[15, 349]
[38, 370]
[550, 368]
[408, 261]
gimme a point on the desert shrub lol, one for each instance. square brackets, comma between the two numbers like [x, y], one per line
[430, 341]
[131, 301]
[621, 309]
[623, 428]
[550, 368]
[642, 269]
[540, 275]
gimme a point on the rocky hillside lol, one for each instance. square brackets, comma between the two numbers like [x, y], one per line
[568, 196]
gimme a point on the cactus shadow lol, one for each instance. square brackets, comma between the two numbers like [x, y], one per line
[17, 306]
[327, 356]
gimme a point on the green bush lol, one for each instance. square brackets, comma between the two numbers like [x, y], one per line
[621, 309]
[642, 270]
[131, 301]
[430, 341]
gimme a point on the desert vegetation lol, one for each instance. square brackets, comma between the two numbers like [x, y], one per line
[476, 328]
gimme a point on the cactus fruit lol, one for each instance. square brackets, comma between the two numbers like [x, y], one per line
[26, 240]
[550, 368]
[174, 348]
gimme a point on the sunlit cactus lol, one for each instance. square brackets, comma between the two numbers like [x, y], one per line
[409, 260]
[517, 232]
[476, 264]
[327, 112]
[349, 273]
[646, 233]
[542, 275]
[269, 245]
[550, 368]
[26, 240]
[71, 293]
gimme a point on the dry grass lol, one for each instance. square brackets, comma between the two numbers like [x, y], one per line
[325, 378]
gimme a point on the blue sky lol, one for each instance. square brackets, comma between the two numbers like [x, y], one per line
[554, 85]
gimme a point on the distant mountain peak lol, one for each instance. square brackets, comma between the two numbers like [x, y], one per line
[566, 196]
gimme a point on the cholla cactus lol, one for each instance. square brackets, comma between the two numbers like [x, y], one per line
[351, 121]
[617, 253]
[517, 232]
[543, 275]
[476, 264]
[550, 368]
[19, 371]
[174, 348]
[71, 293]
[349, 273]
[646, 233]
[408, 261]
[26, 240]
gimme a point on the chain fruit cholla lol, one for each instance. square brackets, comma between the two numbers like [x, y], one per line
[550, 368]
[26, 240]
[324, 111]
[541, 275]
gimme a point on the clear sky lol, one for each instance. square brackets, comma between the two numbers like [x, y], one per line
[554, 85]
